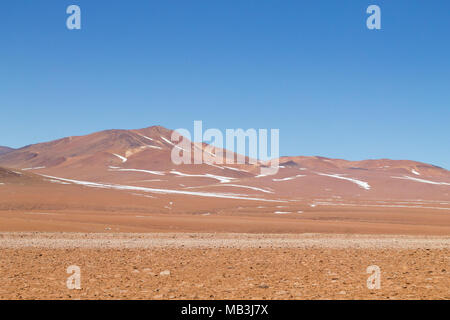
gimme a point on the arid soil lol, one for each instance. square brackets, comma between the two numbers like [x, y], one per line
[223, 266]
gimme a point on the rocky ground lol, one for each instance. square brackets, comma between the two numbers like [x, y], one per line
[222, 266]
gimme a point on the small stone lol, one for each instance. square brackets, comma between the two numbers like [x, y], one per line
[165, 273]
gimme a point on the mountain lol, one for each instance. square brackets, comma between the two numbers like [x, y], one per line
[4, 150]
[132, 170]
[102, 154]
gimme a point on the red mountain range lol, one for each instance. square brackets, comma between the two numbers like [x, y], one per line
[129, 170]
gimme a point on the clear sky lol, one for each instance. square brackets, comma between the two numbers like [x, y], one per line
[309, 68]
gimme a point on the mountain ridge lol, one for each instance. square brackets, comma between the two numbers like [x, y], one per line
[4, 150]
[117, 172]
[142, 158]
[129, 138]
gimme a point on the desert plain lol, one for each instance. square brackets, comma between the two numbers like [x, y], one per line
[223, 266]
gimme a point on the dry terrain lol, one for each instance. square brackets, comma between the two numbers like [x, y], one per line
[223, 266]
[140, 226]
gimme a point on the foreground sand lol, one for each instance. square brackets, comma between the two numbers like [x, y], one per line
[222, 266]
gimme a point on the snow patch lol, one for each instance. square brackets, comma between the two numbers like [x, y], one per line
[121, 157]
[159, 173]
[168, 141]
[422, 180]
[154, 147]
[289, 178]
[220, 178]
[378, 205]
[235, 169]
[57, 181]
[360, 183]
[160, 191]
[248, 187]
[171, 143]
[148, 138]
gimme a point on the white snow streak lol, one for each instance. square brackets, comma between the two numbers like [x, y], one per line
[220, 178]
[121, 157]
[168, 141]
[145, 137]
[360, 183]
[377, 205]
[248, 187]
[235, 169]
[159, 173]
[35, 168]
[154, 147]
[57, 181]
[160, 191]
[422, 180]
[178, 147]
[289, 178]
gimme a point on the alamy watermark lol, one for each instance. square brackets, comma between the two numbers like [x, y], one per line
[231, 148]
[374, 280]
[74, 280]
[373, 22]
[73, 22]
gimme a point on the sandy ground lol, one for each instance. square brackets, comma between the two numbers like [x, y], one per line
[223, 266]
[239, 220]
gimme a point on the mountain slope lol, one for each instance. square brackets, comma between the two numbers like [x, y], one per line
[142, 159]
[4, 150]
[126, 180]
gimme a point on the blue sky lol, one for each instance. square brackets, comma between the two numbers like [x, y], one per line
[310, 68]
